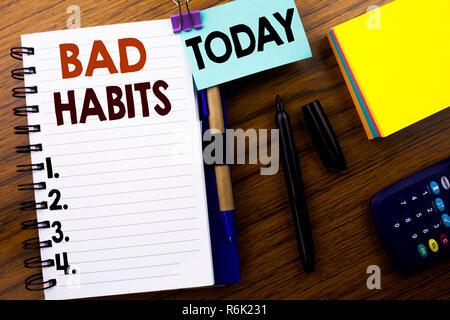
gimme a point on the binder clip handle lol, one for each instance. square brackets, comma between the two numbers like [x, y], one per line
[185, 21]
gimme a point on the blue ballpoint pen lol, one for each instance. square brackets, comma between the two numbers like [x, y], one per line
[223, 175]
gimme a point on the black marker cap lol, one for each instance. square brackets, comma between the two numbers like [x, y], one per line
[323, 136]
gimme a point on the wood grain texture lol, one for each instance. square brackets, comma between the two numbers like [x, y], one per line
[345, 237]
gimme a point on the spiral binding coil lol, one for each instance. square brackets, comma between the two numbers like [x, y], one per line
[29, 148]
[34, 224]
[34, 243]
[24, 110]
[32, 186]
[33, 205]
[36, 262]
[27, 129]
[34, 282]
[21, 92]
[20, 73]
[30, 167]
[18, 52]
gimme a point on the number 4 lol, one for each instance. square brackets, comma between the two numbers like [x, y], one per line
[65, 265]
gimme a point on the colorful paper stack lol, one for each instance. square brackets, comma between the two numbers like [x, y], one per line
[396, 63]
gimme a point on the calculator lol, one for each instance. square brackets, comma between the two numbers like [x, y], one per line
[412, 217]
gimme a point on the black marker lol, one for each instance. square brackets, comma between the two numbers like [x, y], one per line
[295, 187]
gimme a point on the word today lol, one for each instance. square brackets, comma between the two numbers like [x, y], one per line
[266, 34]
[241, 38]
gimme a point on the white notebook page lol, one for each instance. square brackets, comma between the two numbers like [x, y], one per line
[136, 217]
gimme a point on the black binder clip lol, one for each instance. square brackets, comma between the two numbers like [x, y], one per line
[185, 21]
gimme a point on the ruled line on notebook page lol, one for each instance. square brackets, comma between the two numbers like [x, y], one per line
[134, 257]
[112, 49]
[137, 114]
[81, 43]
[127, 170]
[166, 124]
[118, 149]
[126, 279]
[52, 122]
[170, 62]
[85, 58]
[53, 88]
[135, 235]
[141, 267]
[126, 197]
[49, 110]
[57, 78]
[122, 203]
[131, 180]
[128, 225]
[130, 214]
[136, 246]
[117, 160]
[115, 139]
[86, 47]
[114, 128]
[85, 50]
[81, 99]
[52, 69]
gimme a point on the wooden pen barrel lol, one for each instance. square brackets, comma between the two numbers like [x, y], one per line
[217, 125]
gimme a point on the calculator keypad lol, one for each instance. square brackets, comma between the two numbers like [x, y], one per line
[426, 228]
[415, 225]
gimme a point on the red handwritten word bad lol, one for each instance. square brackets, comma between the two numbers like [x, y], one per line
[116, 108]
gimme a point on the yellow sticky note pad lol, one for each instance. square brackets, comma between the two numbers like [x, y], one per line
[396, 61]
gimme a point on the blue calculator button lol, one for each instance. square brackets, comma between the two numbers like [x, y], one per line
[429, 208]
[424, 192]
[435, 187]
[446, 220]
[413, 197]
[418, 213]
[396, 224]
[402, 202]
[425, 230]
[413, 235]
[439, 204]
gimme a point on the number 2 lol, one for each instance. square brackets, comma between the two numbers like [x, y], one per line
[55, 205]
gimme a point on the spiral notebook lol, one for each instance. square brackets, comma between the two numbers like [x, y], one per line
[115, 143]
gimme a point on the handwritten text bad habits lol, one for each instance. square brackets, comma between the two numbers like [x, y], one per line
[120, 102]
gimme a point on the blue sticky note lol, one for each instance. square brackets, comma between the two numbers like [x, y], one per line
[244, 37]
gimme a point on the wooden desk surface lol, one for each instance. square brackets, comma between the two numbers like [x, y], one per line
[346, 242]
